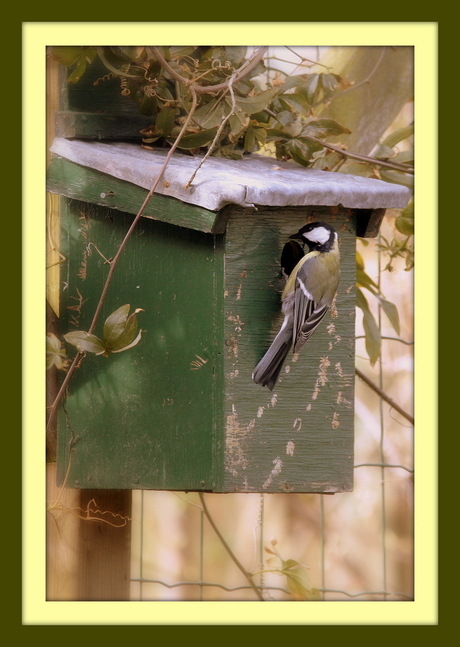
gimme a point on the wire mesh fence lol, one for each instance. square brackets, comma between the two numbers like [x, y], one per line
[348, 546]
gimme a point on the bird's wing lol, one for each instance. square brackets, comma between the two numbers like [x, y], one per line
[307, 314]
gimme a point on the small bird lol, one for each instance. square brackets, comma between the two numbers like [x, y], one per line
[307, 296]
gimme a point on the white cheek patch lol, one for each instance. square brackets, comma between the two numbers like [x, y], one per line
[319, 235]
[304, 289]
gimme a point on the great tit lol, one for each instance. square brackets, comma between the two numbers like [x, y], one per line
[306, 298]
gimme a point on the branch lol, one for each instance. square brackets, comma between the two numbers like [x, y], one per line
[363, 158]
[247, 66]
[79, 356]
[229, 550]
[384, 396]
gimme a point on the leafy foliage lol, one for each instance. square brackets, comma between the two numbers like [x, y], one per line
[55, 354]
[260, 111]
[119, 334]
[371, 328]
[295, 574]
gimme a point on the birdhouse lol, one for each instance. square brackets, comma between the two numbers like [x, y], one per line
[180, 410]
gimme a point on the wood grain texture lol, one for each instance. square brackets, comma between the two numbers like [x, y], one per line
[143, 418]
[104, 555]
[180, 410]
[81, 183]
[298, 438]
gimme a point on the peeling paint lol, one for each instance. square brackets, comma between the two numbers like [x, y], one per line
[290, 448]
[278, 464]
[335, 420]
[322, 378]
[342, 400]
[297, 424]
[237, 321]
[260, 411]
[197, 363]
[274, 399]
[235, 458]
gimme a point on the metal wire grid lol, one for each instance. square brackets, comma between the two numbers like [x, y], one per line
[268, 591]
[195, 588]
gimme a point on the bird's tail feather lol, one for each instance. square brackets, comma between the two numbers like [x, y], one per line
[268, 369]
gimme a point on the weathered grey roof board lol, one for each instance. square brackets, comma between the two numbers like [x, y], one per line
[254, 180]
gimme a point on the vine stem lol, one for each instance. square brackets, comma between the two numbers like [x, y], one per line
[229, 550]
[79, 356]
[384, 396]
[363, 158]
[247, 66]
[195, 90]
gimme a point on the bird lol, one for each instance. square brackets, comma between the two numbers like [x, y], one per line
[307, 296]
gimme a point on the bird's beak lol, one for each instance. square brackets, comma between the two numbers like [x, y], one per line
[297, 236]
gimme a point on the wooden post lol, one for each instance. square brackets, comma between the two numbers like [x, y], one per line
[104, 545]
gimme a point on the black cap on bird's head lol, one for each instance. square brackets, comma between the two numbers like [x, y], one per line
[317, 235]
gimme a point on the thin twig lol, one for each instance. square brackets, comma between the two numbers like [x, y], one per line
[229, 550]
[383, 395]
[363, 158]
[114, 262]
[221, 127]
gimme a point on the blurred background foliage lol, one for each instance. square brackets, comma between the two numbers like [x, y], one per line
[339, 109]
[335, 115]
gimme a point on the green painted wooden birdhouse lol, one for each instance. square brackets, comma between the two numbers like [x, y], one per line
[179, 410]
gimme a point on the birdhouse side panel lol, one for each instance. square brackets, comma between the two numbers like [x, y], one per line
[298, 437]
[144, 417]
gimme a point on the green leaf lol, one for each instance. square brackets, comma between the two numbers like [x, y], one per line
[128, 337]
[364, 280]
[211, 113]
[398, 178]
[78, 72]
[373, 339]
[398, 135]
[85, 342]
[383, 152]
[196, 140]
[252, 105]
[66, 55]
[313, 86]
[300, 151]
[329, 82]
[391, 312]
[249, 141]
[278, 133]
[297, 586]
[165, 120]
[55, 355]
[120, 349]
[235, 55]
[404, 157]
[296, 101]
[404, 223]
[115, 325]
[324, 128]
